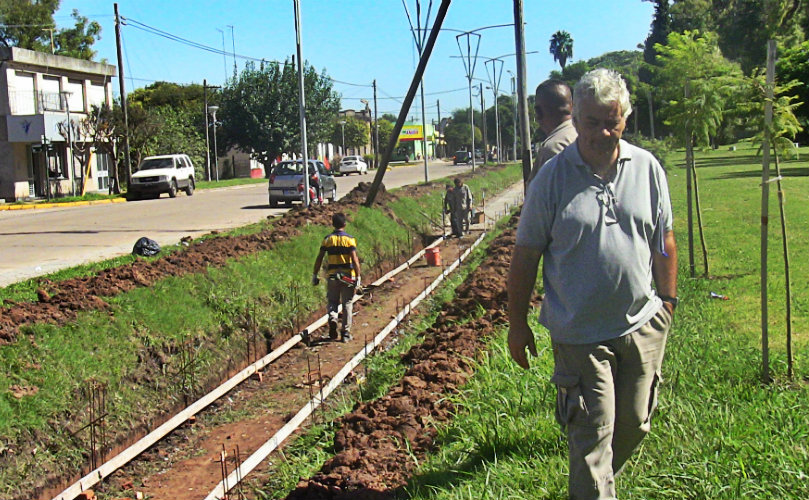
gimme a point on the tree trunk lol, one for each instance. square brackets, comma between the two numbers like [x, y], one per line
[699, 219]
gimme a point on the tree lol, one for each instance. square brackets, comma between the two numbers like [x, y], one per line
[661, 27]
[78, 41]
[385, 128]
[30, 23]
[793, 64]
[172, 94]
[694, 59]
[259, 109]
[356, 134]
[459, 136]
[100, 125]
[561, 47]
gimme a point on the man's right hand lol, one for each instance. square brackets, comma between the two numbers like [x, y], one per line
[520, 336]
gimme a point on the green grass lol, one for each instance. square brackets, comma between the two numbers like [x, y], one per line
[719, 432]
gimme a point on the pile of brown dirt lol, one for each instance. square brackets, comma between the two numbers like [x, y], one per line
[377, 441]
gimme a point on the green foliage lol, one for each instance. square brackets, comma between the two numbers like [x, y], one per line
[561, 47]
[459, 136]
[693, 60]
[793, 64]
[385, 129]
[160, 94]
[785, 125]
[78, 41]
[32, 21]
[259, 109]
[357, 132]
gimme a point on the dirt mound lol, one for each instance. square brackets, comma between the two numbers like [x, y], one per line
[377, 441]
[60, 302]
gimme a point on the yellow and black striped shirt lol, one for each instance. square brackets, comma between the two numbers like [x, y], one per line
[339, 245]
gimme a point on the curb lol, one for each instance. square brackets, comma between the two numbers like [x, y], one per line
[61, 205]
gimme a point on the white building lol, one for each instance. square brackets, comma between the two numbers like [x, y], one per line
[38, 91]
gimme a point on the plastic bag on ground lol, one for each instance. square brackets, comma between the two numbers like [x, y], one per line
[146, 247]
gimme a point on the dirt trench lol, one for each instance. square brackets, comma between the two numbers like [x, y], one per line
[372, 459]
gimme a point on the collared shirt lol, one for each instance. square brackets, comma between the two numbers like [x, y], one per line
[597, 239]
[561, 137]
[339, 245]
[460, 198]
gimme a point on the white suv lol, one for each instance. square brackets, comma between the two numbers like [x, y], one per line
[162, 174]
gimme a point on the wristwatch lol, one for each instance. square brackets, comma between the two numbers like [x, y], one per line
[671, 300]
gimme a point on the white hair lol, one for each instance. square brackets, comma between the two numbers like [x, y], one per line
[605, 86]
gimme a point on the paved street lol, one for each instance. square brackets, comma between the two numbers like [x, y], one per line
[37, 242]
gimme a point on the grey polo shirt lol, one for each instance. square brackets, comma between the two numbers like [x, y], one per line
[597, 241]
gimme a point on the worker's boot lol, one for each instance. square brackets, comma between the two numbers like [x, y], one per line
[347, 336]
[332, 330]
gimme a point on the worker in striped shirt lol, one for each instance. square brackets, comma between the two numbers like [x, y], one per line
[343, 274]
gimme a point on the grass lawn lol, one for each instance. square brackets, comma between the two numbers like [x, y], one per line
[719, 432]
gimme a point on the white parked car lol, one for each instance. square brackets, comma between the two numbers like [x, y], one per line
[162, 174]
[353, 165]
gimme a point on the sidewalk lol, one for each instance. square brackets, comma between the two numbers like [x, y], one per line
[36, 205]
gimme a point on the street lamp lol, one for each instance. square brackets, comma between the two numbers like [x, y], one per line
[494, 79]
[343, 127]
[212, 110]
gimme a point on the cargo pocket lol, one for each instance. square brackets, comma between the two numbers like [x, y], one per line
[569, 399]
[653, 392]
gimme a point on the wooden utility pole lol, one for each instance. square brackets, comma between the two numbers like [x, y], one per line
[522, 96]
[408, 101]
[122, 88]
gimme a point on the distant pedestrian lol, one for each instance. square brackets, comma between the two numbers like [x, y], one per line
[344, 276]
[460, 204]
[598, 215]
[554, 113]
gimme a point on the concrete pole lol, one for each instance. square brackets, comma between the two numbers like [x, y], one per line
[122, 89]
[207, 134]
[525, 131]
[302, 103]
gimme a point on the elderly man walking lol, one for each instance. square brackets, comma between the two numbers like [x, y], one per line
[599, 215]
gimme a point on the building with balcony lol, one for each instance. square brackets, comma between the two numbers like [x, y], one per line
[40, 94]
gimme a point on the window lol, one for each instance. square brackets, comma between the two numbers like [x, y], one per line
[103, 164]
[75, 95]
[50, 98]
[22, 95]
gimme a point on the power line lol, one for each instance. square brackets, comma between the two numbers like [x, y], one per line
[175, 38]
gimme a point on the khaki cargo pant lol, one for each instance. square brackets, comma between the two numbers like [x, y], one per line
[606, 394]
[338, 293]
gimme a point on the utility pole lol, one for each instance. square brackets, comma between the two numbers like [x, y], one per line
[419, 37]
[483, 119]
[122, 88]
[494, 79]
[376, 131]
[397, 128]
[440, 130]
[207, 138]
[233, 41]
[302, 103]
[525, 131]
[469, 63]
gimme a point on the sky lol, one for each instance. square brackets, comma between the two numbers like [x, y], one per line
[356, 41]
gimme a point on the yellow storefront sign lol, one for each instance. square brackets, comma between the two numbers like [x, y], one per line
[411, 133]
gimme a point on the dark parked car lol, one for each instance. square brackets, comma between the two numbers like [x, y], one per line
[286, 182]
[461, 157]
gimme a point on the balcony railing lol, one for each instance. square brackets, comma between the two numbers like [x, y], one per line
[27, 102]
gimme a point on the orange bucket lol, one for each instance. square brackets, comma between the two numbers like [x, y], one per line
[433, 256]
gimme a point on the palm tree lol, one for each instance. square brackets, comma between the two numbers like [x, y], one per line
[562, 47]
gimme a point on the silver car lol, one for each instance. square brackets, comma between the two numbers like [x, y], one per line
[286, 182]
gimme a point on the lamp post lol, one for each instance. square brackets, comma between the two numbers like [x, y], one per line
[343, 131]
[212, 110]
[494, 79]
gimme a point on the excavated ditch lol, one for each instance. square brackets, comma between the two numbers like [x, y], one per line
[377, 441]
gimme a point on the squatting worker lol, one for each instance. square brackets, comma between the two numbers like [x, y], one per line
[599, 214]
[460, 203]
[554, 111]
[344, 274]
